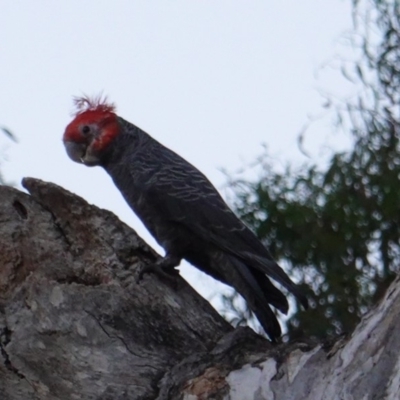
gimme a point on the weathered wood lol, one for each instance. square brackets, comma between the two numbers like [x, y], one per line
[75, 324]
[364, 366]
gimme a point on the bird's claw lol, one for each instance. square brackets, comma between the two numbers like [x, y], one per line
[162, 271]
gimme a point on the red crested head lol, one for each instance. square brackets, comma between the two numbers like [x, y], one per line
[92, 131]
[99, 104]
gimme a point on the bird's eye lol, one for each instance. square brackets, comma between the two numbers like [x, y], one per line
[85, 129]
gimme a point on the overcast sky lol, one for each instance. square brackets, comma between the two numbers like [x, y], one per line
[211, 79]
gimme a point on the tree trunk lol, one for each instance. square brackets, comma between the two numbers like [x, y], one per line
[76, 324]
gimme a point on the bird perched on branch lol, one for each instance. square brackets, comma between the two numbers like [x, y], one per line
[180, 207]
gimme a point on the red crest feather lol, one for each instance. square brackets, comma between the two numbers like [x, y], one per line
[96, 103]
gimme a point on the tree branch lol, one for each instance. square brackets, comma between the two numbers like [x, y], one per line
[75, 324]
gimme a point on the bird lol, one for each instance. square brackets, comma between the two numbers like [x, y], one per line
[180, 208]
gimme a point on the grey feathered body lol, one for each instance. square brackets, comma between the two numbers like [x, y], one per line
[189, 219]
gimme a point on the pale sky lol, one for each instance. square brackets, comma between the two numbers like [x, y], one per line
[211, 79]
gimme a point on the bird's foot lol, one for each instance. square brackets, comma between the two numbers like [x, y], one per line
[168, 273]
[165, 267]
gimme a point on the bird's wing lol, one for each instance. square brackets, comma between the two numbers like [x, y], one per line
[185, 196]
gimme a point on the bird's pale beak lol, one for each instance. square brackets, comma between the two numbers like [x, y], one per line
[75, 151]
[81, 153]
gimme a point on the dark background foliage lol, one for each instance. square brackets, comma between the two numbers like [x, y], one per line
[336, 229]
[11, 136]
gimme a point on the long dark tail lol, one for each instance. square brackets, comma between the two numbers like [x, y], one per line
[251, 283]
[274, 271]
[259, 293]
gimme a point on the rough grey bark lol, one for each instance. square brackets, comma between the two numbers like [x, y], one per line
[74, 324]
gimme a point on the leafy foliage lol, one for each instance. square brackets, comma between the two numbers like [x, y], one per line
[338, 229]
[11, 136]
